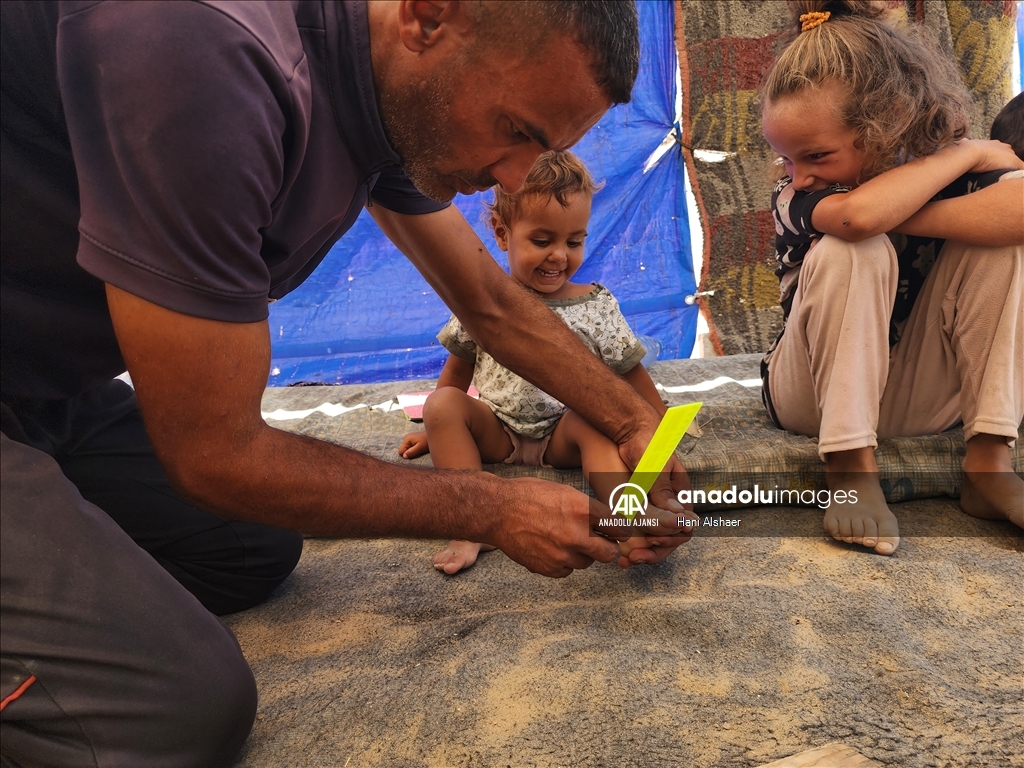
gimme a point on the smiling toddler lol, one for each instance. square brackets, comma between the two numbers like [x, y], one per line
[543, 229]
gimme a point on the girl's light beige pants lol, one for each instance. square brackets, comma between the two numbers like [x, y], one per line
[961, 355]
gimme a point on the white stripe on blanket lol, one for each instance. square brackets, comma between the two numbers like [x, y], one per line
[329, 409]
[704, 386]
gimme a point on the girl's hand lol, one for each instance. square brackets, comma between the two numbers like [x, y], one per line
[992, 155]
[413, 444]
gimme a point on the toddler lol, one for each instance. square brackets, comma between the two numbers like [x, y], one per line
[542, 228]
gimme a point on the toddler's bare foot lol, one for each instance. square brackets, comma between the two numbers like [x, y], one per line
[458, 555]
[993, 496]
[627, 546]
[860, 514]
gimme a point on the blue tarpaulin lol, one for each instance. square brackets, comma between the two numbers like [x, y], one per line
[1020, 42]
[366, 314]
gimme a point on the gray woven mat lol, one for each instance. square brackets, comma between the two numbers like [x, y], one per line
[738, 442]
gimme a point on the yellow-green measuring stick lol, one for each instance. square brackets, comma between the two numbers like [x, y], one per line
[666, 437]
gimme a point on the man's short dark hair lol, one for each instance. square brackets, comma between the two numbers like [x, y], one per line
[1008, 127]
[607, 29]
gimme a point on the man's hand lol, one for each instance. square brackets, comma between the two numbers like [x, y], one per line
[663, 501]
[546, 527]
[655, 548]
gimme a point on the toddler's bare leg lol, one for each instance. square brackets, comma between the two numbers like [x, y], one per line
[463, 432]
[868, 521]
[575, 443]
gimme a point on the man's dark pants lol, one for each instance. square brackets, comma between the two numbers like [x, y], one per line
[124, 662]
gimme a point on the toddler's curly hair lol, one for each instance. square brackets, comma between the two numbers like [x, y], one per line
[905, 97]
[556, 173]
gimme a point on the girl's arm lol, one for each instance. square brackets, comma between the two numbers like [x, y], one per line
[993, 216]
[456, 373]
[641, 381]
[886, 201]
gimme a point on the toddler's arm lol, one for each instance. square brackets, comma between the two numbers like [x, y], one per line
[641, 381]
[886, 201]
[456, 373]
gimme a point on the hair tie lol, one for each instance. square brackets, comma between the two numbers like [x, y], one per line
[813, 19]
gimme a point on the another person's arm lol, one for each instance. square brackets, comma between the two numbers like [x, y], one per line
[993, 216]
[883, 203]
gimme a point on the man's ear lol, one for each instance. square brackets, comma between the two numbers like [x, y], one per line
[501, 232]
[422, 24]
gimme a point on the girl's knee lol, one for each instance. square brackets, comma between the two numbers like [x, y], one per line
[994, 273]
[1005, 261]
[833, 253]
[836, 267]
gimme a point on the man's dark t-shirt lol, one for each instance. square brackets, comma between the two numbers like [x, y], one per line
[202, 156]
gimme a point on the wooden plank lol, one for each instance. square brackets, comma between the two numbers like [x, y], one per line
[834, 755]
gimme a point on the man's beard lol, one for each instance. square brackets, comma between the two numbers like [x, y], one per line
[418, 123]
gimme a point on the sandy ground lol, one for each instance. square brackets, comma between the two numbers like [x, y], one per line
[734, 652]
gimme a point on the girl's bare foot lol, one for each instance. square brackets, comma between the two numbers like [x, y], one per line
[458, 555]
[857, 512]
[994, 497]
[990, 489]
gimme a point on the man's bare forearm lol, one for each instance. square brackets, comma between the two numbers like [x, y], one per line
[327, 490]
[531, 340]
[199, 384]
